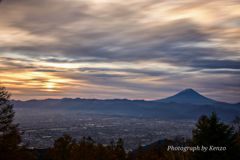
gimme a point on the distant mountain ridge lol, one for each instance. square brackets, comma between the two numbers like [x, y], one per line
[180, 106]
[188, 96]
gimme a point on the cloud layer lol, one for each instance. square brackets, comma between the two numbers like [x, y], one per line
[107, 49]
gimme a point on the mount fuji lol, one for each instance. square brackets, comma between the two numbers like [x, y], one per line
[188, 96]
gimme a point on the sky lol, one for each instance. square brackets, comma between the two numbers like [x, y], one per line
[135, 49]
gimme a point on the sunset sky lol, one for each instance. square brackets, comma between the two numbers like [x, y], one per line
[135, 49]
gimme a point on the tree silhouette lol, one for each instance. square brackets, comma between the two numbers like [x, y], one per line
[236, 123]
[10, 136]
[84, 149]
[212, 133]
[62, 148]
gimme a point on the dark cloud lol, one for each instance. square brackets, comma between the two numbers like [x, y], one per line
[56, 60]
[216, 64]
[223, 72]
[10, 66]
[106, 75]
[39, 70]
[140, 71]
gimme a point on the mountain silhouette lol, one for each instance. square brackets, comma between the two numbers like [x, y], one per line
[188, 96]
[187, 104]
